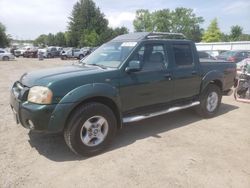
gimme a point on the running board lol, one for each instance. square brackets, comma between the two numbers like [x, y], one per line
[145, 116]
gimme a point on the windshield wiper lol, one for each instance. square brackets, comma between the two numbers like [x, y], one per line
[94, 64]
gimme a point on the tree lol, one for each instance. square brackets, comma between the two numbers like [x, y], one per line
[86, 19]
[213, 33]
[225, 37]
[51, 39]
[4, 39]
[162, 20]
[60, 39]
[180, 20]
[143, 21]
[244, 37]
[90, 38]
[41, 40]
[186, 22]
[236, 32]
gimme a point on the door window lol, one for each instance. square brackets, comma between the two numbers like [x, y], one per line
[152, 57]
[183, 55]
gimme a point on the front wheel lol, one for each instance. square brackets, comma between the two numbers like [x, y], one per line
[6, 58]
[210, 101]
[81, 56]
[90, 129]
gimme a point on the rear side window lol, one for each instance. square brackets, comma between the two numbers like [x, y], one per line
[183, 55]
[203, 55]
[1, 51]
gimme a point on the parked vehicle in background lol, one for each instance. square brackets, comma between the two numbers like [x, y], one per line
[133, 77]
[75, 53]
[31, 53]
[20, 52]
[215, 53]
[6, 56]
[52, 52]
[205, 55]
[234, 56]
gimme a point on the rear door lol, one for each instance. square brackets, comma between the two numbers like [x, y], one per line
[186, 70]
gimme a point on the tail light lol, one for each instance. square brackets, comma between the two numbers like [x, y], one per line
[232, 59]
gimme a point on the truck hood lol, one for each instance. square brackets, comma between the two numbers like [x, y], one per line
[46, 76]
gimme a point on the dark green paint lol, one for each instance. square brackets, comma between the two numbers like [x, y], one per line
[72, 85]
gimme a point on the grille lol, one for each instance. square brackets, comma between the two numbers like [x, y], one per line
[20, 91]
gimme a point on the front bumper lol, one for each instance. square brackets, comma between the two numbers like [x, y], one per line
[44, 118]
[31, 116]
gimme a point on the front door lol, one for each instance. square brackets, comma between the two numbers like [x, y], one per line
[151, 85]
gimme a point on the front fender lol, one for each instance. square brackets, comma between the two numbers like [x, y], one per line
[75, 97]
[211, 76]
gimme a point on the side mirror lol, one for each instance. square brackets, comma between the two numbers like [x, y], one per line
[133, 66]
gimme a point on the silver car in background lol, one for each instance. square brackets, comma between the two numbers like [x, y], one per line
[6, 56]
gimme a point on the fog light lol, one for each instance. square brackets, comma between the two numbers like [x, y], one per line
[31, 125]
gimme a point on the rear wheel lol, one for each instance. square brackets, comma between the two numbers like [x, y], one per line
[90, 129]
[210, 101]
[6, 58]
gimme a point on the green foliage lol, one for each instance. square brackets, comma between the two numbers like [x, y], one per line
[181, 20]
[213, 33]
[88, 26]
[244, 37]
[225, 37]
[143, 21]
[236, 32]
[186, 22]
[60, 39]
[4, 38]
[41, 40]
[162, 20]
[86, 19]
[89, 39]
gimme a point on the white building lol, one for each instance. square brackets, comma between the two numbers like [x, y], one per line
[239, 45]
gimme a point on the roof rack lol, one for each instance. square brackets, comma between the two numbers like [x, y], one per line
[165, 35]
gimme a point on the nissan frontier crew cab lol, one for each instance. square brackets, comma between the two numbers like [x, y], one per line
[131, 78]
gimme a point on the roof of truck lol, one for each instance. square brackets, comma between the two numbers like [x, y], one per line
[138, 36]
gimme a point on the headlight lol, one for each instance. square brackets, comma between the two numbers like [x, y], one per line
[40, 95]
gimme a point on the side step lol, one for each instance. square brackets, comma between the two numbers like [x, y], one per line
[145, 116]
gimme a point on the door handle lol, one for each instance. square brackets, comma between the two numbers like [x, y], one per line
[194, 72]
[168, 76]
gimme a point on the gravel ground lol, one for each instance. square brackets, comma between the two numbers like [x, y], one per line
[175, 150]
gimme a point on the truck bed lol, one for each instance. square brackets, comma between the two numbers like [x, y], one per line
[228, 68]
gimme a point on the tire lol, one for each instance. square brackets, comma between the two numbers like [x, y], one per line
[63, 57]
[213, 94]
[81, 133]
[6, 58]
[81, 56]
[49, 56]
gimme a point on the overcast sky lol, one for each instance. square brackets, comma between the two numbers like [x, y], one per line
[27, 19]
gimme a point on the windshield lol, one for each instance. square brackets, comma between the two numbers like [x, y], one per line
[111, 54]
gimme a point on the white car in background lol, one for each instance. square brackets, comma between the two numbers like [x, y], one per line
[19, 52]
[6, 56]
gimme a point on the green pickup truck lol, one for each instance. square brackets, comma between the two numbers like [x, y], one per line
[130, 78]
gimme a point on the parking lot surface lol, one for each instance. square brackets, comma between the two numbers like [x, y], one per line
[175, 150]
